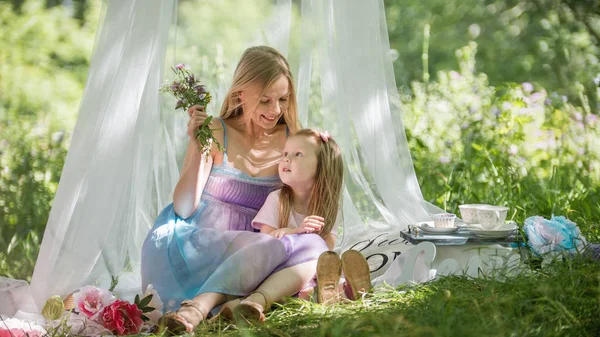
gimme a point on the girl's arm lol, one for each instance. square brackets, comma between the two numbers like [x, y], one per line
[277, 233]
[266, 229]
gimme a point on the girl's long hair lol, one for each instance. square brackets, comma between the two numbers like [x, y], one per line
[261, 65]
[327, 190]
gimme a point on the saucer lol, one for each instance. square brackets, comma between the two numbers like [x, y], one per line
[498, 233]
[429, 229]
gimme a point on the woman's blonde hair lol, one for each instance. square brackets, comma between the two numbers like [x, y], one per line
[261, 65]
[327, 191]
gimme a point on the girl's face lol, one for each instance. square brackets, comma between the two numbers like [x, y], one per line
[298, 168]
[266, 110]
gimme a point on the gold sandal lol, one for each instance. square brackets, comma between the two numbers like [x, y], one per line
[329, 271]
[357, 274]
[176, 324]
[248, 312]
[226, 311]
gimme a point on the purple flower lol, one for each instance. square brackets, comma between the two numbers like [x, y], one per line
[548, 101]
[537, 97]
[496, 111]
[527, 87]
[464, 125]
[180, 104]
[200, 89]
[578, 116]
[513, 149]
[175, 86]
[564, 98]
[181, 66]
[191, 80]
[591, 119]
[444, 160]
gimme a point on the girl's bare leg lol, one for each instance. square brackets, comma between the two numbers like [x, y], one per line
[286, 282]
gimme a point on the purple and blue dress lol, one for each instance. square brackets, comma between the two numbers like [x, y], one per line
[217, 249]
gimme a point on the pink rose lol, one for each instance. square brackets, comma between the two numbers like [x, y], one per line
[122, 318]
[91, 301]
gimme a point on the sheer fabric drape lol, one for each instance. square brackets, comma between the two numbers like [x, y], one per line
[128, 142]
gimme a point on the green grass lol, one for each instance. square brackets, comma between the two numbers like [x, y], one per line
[563, 299]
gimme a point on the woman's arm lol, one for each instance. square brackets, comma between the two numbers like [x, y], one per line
[192, 181]
[196, 166]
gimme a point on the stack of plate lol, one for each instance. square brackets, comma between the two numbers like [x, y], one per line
[498, 233]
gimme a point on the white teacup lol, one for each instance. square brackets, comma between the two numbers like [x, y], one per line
[491, 217]
[468, 213]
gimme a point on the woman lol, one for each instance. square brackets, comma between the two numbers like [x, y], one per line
[203, 248]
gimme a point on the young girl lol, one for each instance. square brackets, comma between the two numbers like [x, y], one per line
[312, 171]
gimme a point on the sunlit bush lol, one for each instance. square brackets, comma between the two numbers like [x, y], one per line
[514, 145]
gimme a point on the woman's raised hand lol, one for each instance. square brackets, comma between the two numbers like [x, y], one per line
[311, 224]
[197, 118]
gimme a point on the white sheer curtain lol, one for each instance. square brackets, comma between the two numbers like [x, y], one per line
[360, 106]
[123, 162]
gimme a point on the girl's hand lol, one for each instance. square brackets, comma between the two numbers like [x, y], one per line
[197, 118]
[311, 224]
[279, 233]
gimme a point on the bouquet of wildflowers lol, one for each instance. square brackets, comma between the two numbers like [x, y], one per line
[188, 91]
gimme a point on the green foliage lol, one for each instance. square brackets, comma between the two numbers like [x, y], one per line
[511, 145]
[43, 72]
[31, 162]
[550, 42]
[41, 81]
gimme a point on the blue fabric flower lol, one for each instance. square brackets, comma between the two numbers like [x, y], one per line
[555, 235]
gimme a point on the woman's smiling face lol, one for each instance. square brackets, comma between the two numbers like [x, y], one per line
[265, 110]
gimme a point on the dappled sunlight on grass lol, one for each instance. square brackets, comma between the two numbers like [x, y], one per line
[561, 299]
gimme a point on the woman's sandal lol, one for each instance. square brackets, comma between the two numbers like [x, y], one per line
[357, 274]
[176, 324]
[329, 271]
[248, 312]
